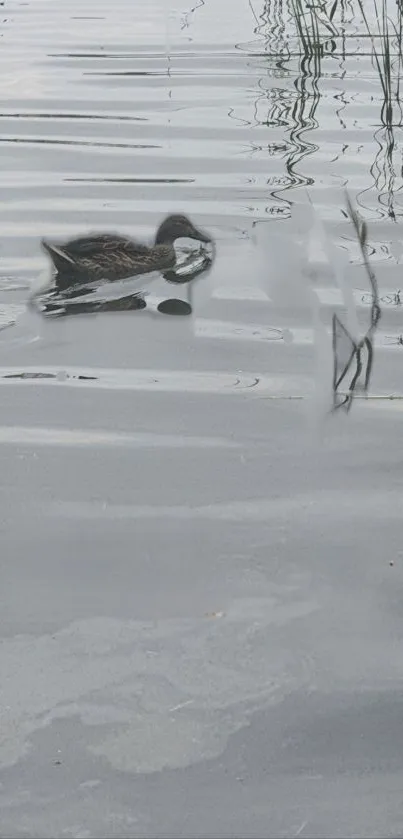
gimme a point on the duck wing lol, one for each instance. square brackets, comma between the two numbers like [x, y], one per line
[107, 256]
[103, 243]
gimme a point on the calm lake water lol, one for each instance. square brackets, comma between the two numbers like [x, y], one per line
[201, 571]
[112, 118]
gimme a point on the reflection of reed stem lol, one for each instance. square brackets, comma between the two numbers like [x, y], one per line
[361, 232]
[340, 332]
[303, 115]
[382, 55]
[383, 170]
[388, 35]
[311, 44]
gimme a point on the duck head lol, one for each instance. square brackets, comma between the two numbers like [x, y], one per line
[179, 227]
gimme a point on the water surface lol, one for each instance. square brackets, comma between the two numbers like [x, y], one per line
[200, 582]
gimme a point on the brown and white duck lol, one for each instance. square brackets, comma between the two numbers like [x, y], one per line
[110, 257]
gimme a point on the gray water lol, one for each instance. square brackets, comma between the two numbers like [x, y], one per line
[201, 570]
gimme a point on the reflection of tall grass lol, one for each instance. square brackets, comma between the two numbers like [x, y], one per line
[292, 109]
[315, 37]
[304, 120]
[315, 30]
[389, 74]
[344, 342]
[314, 24]
[320, 30]
[386, 44]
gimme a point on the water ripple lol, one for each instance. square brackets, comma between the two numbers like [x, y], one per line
[106, 124]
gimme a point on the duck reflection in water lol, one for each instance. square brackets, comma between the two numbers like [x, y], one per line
[81, 265]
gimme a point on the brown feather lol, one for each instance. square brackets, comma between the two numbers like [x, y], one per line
[107, 256]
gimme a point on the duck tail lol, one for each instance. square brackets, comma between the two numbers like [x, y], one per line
[61, 260]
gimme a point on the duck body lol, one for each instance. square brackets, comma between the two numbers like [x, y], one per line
[110, 257]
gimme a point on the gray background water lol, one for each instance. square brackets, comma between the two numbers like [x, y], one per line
[201, 581]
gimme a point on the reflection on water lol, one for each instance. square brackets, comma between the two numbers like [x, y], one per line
[111, 119]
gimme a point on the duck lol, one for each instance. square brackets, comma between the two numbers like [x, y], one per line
[110, 257]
